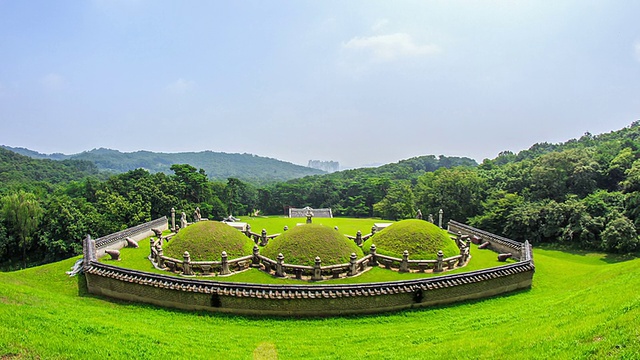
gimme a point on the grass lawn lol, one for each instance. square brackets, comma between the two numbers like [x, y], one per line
[580, 306]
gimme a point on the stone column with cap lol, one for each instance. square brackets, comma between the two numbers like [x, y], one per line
[353, 266]
[186, 264]
[173, 219]
[255, 260]
[374, 260]
[439, 262]
[280, 266]
[317, 271]
[224, 264]
[404, 265]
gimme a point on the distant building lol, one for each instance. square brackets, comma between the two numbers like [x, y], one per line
[328, 166]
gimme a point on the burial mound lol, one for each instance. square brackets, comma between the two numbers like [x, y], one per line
[302, 244]
[420, 238]
[206, 240]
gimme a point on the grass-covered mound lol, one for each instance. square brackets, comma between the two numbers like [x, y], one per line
[302, 244]
[421, 238]
[206, 240]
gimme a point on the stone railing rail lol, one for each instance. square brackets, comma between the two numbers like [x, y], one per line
[122, 235]
[498, 243]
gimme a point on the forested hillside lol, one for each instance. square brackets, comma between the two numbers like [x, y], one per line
[18, 170]
[219, 166]
[583, 193]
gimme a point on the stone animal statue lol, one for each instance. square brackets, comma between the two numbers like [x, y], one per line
[115, 254]
[131, 243]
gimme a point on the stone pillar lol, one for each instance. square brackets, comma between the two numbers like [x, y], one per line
[439, 263]
[353, 267]
[151, 243]
[317, 272]
[248, 231]
[404, 265]
[263, 238]
[372, 251]
[373, 230]
[255, 260]
[279, 267]
[440, 218]
[467, 251]
[159, 259]
[359, 238]
[186, 265]
[224, 264]
[173, 219]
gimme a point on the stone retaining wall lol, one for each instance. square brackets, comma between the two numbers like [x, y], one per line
[305, 300]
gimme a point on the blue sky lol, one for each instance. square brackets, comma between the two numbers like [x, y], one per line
[357, 82]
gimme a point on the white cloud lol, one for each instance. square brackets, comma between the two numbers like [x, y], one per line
[180, 86]
[53, 82]
[390, 47]
[380, 24]
[636, 49]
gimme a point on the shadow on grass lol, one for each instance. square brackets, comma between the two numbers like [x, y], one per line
[608, 258]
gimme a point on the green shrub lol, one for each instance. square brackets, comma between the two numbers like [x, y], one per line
[302, 244]
[206, 240]
[421, 238]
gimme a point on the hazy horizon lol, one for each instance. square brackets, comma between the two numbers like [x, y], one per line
[356, 82]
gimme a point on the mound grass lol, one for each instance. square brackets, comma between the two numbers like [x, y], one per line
[420, 238]
[206, 240]
[301, 244]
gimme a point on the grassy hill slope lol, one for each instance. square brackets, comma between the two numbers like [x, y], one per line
[580, 306]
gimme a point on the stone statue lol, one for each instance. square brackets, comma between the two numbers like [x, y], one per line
[196, 215]
[430, 219]
[183, 220]
[309, 215]
[419, 215]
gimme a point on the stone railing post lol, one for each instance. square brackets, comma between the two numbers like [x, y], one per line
[374, 260]
[255, 260]
[373, 230]
[263, 238]
[247, 231]
[224, 264]
[186, 265]
[359, 238]
[279, 267]
[317, 272]
[404, 265]
[439, 263]
[353, 267]
[159, 259]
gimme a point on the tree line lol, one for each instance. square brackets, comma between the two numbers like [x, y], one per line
[584, 193]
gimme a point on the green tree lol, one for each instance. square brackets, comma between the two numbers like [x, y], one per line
[399, 203]
[22, 212]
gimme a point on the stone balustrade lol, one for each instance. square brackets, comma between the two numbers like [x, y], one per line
[497, 243]
[306, 299]
[301, 272]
